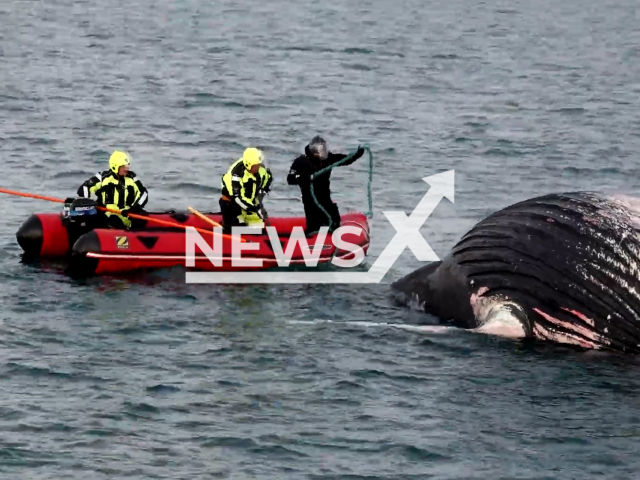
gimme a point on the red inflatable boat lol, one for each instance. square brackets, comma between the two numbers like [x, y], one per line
[108, 251]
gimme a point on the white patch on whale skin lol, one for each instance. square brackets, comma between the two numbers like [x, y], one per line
[414, 303]
[629, 203]
[495, 315]
[501, 321]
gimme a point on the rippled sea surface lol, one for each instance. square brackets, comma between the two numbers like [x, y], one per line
[147, 377]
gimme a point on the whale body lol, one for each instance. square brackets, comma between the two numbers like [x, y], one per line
[562, 267]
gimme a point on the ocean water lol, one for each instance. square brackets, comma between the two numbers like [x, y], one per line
[148, 377]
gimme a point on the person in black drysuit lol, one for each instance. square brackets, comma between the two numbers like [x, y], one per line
[303, 169]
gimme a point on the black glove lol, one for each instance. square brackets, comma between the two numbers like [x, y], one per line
[255, 209]
[138, 210]
[135, 209]
[359, 152]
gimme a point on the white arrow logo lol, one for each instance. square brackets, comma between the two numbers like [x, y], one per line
[407, 235]
[408, 228]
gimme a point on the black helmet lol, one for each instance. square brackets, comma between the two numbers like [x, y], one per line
[318, 148]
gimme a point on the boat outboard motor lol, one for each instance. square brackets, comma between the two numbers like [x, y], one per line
[80, 216]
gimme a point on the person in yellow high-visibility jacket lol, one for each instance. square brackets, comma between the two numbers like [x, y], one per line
[117, 188]
[243, 187]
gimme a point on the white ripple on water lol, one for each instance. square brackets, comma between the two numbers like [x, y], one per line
[414, 328]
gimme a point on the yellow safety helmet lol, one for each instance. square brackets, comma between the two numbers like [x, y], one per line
[252, 156]
[118, 159]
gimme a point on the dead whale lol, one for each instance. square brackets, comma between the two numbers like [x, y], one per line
[562, 267]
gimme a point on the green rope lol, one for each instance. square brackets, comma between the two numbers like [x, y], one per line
[369, 214]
